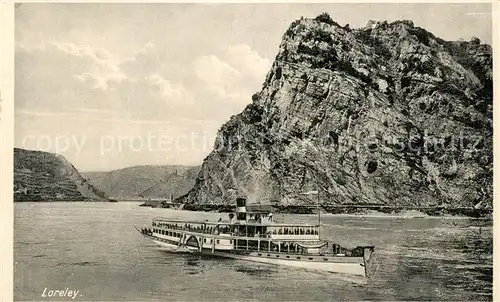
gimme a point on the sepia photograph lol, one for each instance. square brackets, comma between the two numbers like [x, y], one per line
[253, 152]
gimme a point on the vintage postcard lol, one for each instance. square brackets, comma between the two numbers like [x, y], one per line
[250, 151]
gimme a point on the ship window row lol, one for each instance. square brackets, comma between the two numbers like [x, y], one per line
[295, 231]
[288, 257]
[289, 247]
[240, 230]
[205, 240]
[167, 233]
[191, 227]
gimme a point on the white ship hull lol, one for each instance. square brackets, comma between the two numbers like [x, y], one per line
[171, 247]
[356, 269]
[355, 265]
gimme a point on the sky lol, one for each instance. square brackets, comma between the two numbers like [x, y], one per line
[115, 85]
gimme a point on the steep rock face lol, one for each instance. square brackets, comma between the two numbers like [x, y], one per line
[386, 114]
[43, 176]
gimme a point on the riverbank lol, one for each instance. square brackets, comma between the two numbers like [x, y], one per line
[65, 200]
[371, 211]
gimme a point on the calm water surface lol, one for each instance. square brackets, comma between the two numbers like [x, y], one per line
[94, 248]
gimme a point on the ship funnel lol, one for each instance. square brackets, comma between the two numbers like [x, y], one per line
[241, 209]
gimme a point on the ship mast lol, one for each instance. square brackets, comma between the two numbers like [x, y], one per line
[317, 206]
[319, 211]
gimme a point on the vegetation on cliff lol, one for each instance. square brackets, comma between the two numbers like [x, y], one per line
[387, 115]
[43, 176]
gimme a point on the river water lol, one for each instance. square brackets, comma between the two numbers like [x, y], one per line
[94, 248]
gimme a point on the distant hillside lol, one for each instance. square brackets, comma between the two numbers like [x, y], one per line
[174, 186]
[43, 176]
[131, 182]
[95, 177]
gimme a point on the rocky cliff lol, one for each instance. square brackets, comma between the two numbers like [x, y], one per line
[43, 176]
[388, 114]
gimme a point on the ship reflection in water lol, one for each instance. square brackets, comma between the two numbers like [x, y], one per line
[92, 247]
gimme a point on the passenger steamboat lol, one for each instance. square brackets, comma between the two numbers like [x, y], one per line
[254, 236]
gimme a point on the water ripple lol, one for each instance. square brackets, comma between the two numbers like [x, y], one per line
[415, 259]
